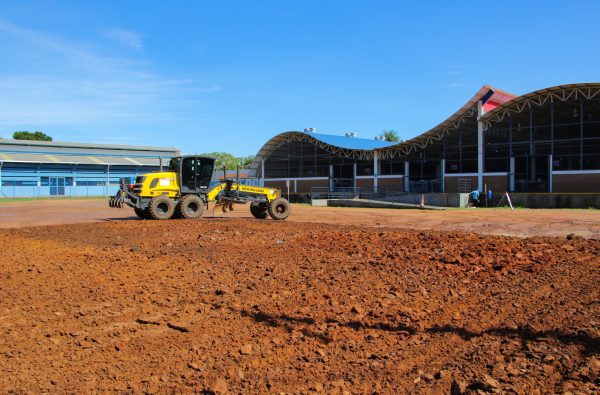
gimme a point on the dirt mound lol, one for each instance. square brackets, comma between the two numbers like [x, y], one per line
[246, 306]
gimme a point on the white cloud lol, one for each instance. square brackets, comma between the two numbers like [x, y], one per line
[455, 85]
[125, 37]
[83, 87]
[456, 70]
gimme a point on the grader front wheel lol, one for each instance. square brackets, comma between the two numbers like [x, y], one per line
[279, 209]
[258, 210]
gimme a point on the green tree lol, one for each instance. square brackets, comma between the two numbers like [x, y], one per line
[246, 161]
[390, 135]
[38, 136]
[229, 161]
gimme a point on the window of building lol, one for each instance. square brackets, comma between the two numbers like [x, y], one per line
[18, 183]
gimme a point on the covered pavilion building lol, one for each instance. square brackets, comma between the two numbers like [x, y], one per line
[544, 141]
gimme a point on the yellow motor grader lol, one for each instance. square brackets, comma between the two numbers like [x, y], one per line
[183, 192]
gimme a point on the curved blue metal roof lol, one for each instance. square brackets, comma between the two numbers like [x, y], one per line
[351, 142]
[351, 147]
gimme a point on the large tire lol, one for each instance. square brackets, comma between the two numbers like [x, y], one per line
[259, 210]
[111, 202]
[161, 207]
[279, 209]
[142, 214]
[190, 207]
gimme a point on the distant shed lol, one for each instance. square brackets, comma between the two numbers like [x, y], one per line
[41, 168]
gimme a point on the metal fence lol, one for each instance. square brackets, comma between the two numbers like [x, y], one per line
[426, 186]
[382, 194]
[464, 185]
[385, 194]
[67, 191]
[334, 193]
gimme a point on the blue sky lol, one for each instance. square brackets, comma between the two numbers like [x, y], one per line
[226, 76]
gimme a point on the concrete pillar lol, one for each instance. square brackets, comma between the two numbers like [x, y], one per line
[480, 112]
[262, 172]
[108, 177]
[295, 185]
[330, 177]
[354, 171]
[406, 177]
[511, 174]
[375, 171]
[443, 175]
[549, 173]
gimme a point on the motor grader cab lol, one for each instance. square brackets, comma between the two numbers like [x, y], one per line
[184, 192]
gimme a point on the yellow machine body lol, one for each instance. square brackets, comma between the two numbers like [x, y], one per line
[270, 193]
[156, 184]
[166, 183]
[185, 190]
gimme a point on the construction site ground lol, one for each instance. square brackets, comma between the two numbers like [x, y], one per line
[497, 221]
[333, 300]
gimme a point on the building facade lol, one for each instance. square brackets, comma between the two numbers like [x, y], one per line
[40, 168]
[544, 141]
[301, 161]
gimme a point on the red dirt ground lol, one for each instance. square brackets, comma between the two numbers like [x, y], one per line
[237, 305]
[584, 223]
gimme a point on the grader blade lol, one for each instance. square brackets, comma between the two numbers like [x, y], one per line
[219, 209]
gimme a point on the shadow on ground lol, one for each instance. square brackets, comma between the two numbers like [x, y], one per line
[589, 343]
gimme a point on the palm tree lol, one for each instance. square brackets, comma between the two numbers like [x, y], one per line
[390, 135]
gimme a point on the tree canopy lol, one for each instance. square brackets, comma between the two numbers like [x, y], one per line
[38, 136]
[229, 161]
[390, 135]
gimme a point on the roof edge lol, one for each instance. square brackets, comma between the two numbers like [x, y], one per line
[544, 91]
[424, 138]
[64, 144]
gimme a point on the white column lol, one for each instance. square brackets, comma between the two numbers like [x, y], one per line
[406, 180]
[549, 173]
[443, 175]
[262, 172]
[108, 178]
[511, 174]
[375, 171]
[330, 177]
[354, 171]
[480, 112]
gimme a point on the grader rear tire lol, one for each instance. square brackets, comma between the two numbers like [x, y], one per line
[279, 209]
[190, 207]
[161, 207]
[259, 210]
[142, 214]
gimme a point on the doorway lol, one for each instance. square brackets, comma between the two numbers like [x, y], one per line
[343, 175]
[531, 173]
[57, 186]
